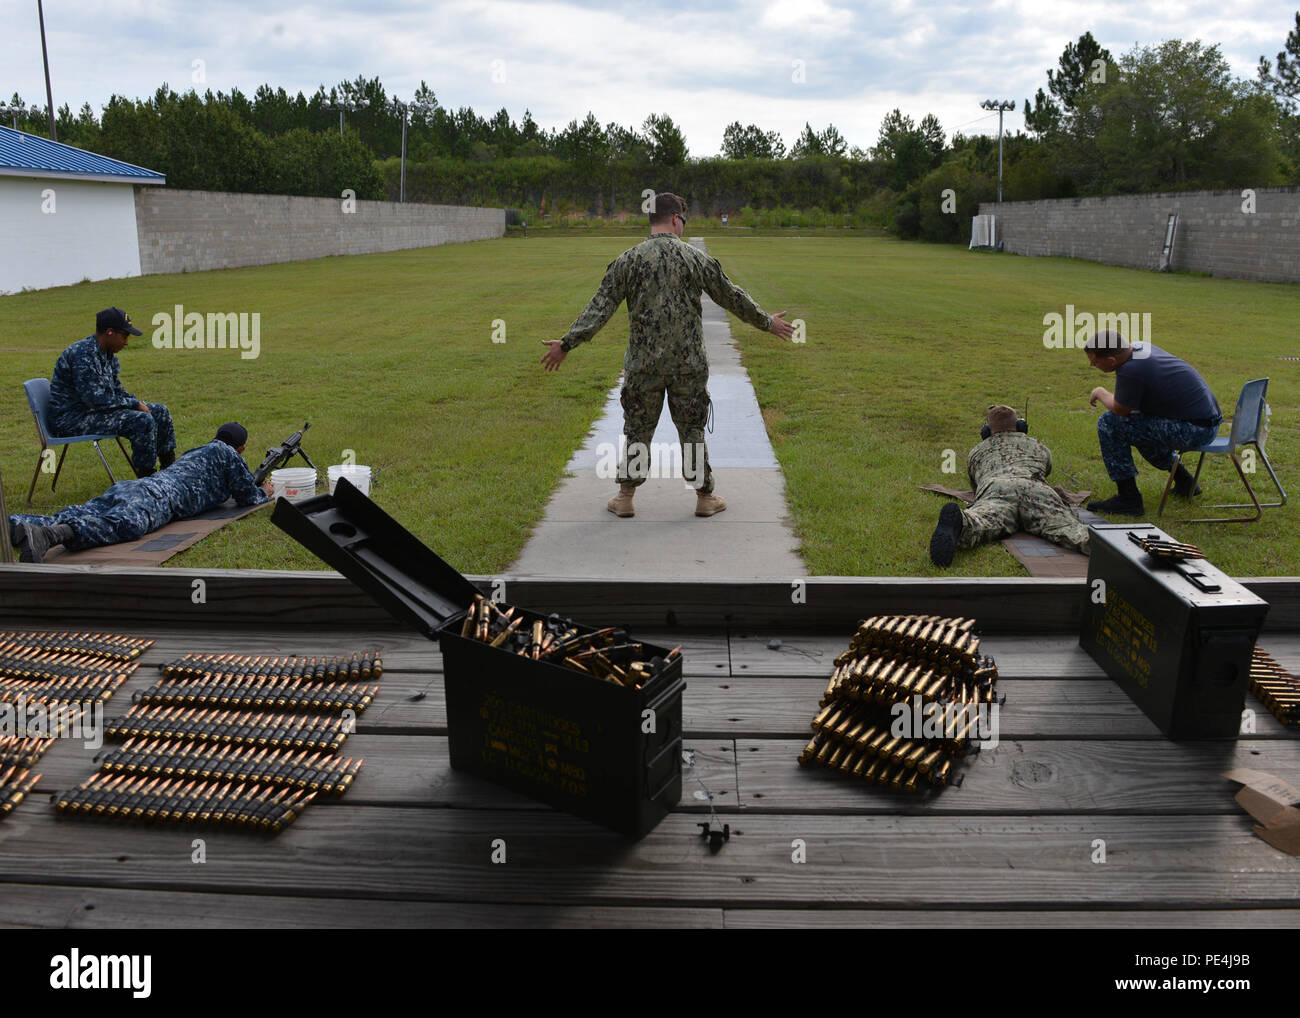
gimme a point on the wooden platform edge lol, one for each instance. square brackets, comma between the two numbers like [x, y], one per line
[75, 594]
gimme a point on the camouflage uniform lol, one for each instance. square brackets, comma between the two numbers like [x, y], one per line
[202, 478]
[1008, 472]
[1155, 438]
[662, 279]
[86, 398]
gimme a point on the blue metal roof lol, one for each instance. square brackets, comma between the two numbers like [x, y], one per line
[29, 155]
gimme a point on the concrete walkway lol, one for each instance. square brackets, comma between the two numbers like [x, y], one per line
[579, 537]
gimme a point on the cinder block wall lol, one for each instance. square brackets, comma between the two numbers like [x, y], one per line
[194, 230]
[1215, 235]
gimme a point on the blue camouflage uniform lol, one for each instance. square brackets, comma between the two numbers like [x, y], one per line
[86, 398]
[201, 479]
[1171, 408]
[662, 279]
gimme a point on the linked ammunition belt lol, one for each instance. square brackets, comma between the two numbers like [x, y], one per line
[929, 664]
[96, 645]
[70, 690]
[65, 667]
[1276, 688]
[316, 772]
[1166, 550]
[182, 800]
[22, 751]
[51, 666]
[608, 654]
[361, 665]
[196, 752]
[15, 782]
[45, 673]
[250, 728]
[25, 750]
[261, 692]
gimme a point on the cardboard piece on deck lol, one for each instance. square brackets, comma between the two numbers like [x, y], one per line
[1273, 802]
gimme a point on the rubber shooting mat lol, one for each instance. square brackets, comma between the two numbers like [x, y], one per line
[155, 548]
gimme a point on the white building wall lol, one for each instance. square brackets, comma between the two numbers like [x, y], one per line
[90, 234]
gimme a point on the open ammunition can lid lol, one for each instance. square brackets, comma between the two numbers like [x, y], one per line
[349, 532]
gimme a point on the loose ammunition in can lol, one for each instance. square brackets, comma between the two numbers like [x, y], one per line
[939, 776]
[929, 760]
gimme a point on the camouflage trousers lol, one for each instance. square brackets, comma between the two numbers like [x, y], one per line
[1156, 438]
[126, 512]
[688, 405]
[1009, 504]
[149, 433]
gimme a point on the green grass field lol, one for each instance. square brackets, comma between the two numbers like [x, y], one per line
[392, 356]
[908, 343]
[388, 355]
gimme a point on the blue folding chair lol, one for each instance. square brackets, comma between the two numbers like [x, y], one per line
[1247, 427]
[38, 398]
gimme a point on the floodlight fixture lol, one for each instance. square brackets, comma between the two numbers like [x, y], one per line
[1001, 106]
[347, 105]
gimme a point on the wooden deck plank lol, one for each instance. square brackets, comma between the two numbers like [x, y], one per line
[705, 654]
[1104, 919]
[1018, 657]
[1034, 708]
[35, 906]
[552, 859]
[249, 596]
[1057, 656]
[404, 770]
[1157, 777]
[1043, 708]
[834, 603]
[402, 650]
[415, 703]
[28, 906]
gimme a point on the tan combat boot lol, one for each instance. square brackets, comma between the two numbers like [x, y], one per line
[621, 504]
[709, 505]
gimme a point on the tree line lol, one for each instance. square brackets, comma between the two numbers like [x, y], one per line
[1165, 117]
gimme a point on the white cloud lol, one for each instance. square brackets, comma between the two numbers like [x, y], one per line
[815, 17]
[703, 62]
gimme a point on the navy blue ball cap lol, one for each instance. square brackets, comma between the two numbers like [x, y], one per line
[233, 434]
[115, 319]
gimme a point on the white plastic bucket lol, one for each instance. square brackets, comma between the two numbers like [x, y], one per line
[358, 476]
[294, 484]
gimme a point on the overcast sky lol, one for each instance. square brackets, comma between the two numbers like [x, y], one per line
[705, 63]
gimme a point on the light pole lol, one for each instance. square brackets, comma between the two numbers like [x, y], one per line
[405, 109]
[1001, 105]
[49, 95]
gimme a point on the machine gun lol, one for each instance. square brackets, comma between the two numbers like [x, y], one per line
[279, 455]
